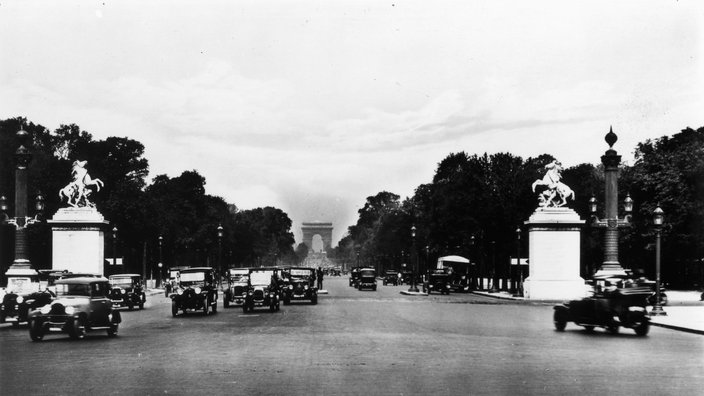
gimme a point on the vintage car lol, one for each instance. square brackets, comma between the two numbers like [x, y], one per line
[391, 278]
[609, 307]
[196, 291]
[127, 291]
[300, 285]
[263, 289]
[236, 287]
[48, 278]
[354, 276]
[81, 305]
[22, 295]
[439, 281]
[367, 279]
[406, 277]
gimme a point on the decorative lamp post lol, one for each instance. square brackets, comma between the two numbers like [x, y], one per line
[471, 264]
[114, 246]
[495, 282]
[658, 218]
[518, 289]
[21, 219]
[414, 257]
[161, 257]
[219, 251]
[611, 223]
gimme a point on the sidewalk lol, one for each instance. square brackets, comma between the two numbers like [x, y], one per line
[684, 310]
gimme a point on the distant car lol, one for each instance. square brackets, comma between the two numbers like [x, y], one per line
[300, 285]
[354, 276]
[127, 291]
[262, 289]
[236, 291]
[391, 278]
[406, 277]
[22, 295]
[439, 281]
[609, 308]
[81, 305]
[196, 291]
[367, 279]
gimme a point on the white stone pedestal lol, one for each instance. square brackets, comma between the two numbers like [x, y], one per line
[554, 243]
[78, 241]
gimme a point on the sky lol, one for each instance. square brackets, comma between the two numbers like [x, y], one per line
[312, 106]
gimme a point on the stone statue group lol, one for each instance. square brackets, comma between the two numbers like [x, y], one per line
[557, 192]
[77, 192]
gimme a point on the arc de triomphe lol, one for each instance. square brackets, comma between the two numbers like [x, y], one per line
[317, 228]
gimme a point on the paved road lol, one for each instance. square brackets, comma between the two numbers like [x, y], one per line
[354, 342]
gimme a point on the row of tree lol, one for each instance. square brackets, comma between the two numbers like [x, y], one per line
[175, 208]
[475, 203]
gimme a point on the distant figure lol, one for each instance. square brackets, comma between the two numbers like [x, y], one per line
[319, 277]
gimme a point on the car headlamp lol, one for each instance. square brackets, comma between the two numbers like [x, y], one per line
[123, 291]
[430, 286]
[290, 287]
[305, 287]
[197, 290]
[45, 309]
[179, 291]
[20, 299]
[70, 310]
[250, 293]
[447, 286]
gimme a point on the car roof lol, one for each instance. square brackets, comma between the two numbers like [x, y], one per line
[80, 280]
[124, 275]
[197, 269]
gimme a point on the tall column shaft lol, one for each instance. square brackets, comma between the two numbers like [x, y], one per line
[21, 207]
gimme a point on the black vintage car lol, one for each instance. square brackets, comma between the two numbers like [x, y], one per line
[236, 291]
[22, 295]
[126, 290]
[300, 285]
[406, 277]
[196, 291]
[263, 289]
[354, 276]
[367, 279]
[391, 278]
[609, 308]
[81, 305]
[439, 281]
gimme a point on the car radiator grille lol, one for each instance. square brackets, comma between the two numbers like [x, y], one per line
[258, 294]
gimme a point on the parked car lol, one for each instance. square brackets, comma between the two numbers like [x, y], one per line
[263, 289]
[391, 278]
[439, 281]
[196, 291]
[236, 287]
[609, 307]
[22, 295]
[127, 291]
[367, 279]
[300, 285]
[354, 276]
[82, 305]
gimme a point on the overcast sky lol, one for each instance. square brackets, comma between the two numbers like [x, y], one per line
[311, 106]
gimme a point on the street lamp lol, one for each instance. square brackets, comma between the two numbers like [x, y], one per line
[658, 218]
[611, 223]
[475, 270]
[161, 240]
[21, 219]
[414, 257]
[114, 246]
[518, 289]
[495, 285]
[219, 251]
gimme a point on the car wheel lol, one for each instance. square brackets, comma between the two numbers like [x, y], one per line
[244, 307]
[36, 330]
[141, 305]
[16, 324]
[130, 306]
[560, 320]
[642, 328]
[215, 307]
[112, 330]
[589, 329]
[612, 328]
[225, 302]
[77, 329]
[272, 307]
[174, 308]
[206, 307]
[314, 300]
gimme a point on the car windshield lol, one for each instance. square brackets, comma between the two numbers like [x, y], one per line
[21, 285]
[121, 282]
[368, 273]
[192, 278]
[73, 289]
[300, 273]
[261, 277]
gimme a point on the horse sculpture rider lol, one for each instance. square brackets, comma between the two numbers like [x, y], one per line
[555, 187]
[77, 192]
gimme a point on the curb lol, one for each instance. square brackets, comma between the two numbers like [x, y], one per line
[407, 293]
[678, 328]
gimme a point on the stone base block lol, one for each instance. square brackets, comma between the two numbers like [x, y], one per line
[554, 290]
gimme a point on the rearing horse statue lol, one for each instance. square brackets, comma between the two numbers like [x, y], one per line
[557, 192]
[77, 192]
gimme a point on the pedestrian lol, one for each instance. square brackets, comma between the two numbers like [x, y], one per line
[319, 276]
